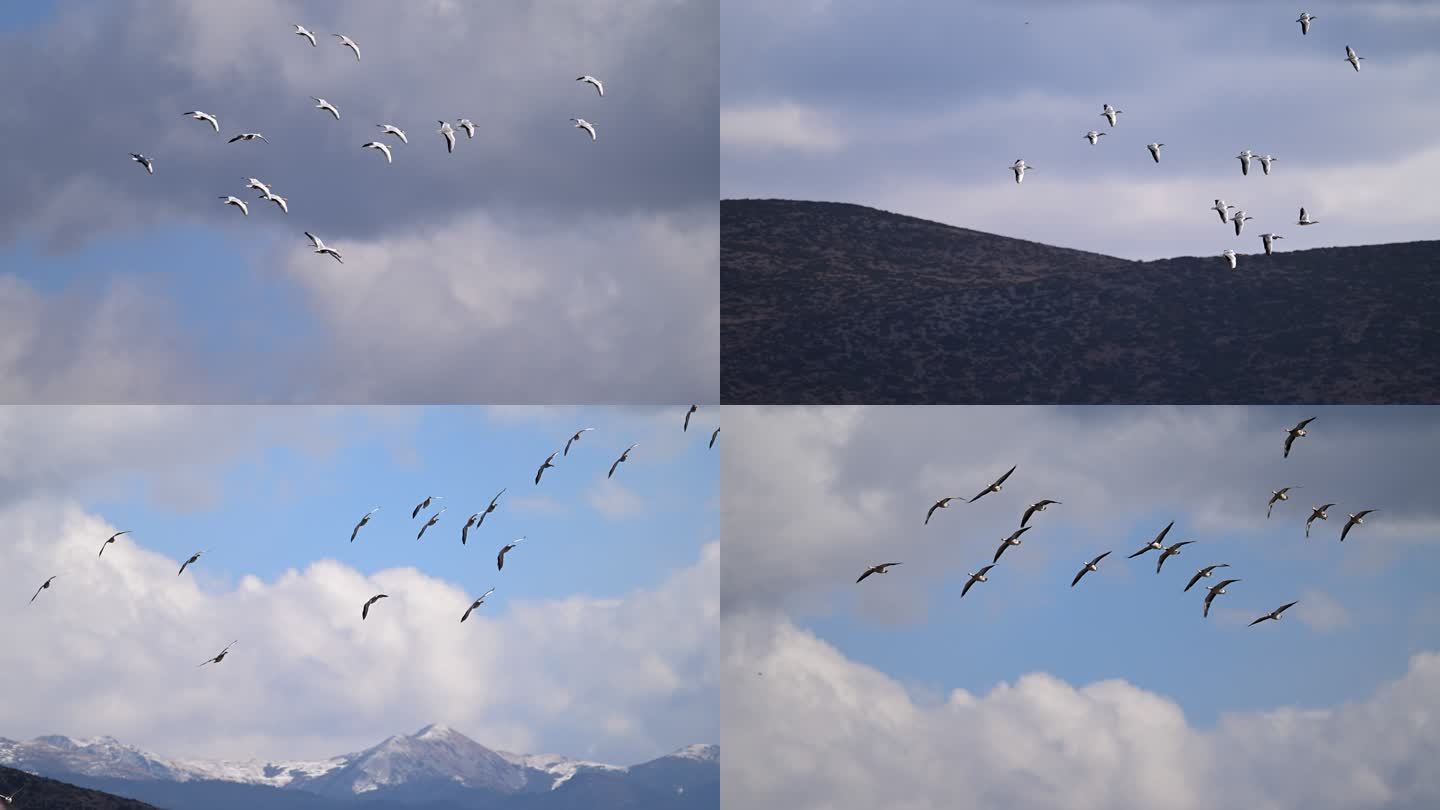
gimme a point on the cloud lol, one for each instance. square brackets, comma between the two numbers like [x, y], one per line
[817, 730]
[309, 679]
[1322, 611]
[611, 499]
[785, 126]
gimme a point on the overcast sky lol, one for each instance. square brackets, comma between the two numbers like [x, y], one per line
[601, 640]
[897, 692]
[529, 266]
[919, 107]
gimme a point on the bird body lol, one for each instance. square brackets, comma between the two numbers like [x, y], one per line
[1305, 220]
[477, 603]
[1019, 167]
[320, 247]
[42, 587]
[238, 203]
[193, 558]
[581, 123]
[1291, 434]
[108, 542]
[1269, 239]
[500, 558]
[1277, 495]
[943, 503]
[473, 520]
[1109, 113]
[362, 522]
[1245, 158]
[1221, 207]
[365, 611]
[1355, 520]
[978, 576]
[1265, 161]
[1038, 506]
[221, 657]
[1214, 591]
[1154, 150]
[143, 161]
[591, 80]
[995, 487]
[1229, 256]
[1156, 544]
[259, 185]
[322, 104]
[467, 125]
[349, 43]
[391, 129]
[625, 456]
[204, 116]
[1094, 137]
[1352, 58]
[1305, 19]
[1240, 218]
[1274, 615]
[1317, 513]
[686, 426]
[449, 133]
[1204, 572]
[435, 518]
[491, 507]
[575, 438]
[381, 147]
[714, 436]
[547, 465]
[1170, 551]
[1088, 567]
[1012, 540]
[879, 568]
[302, 31]
[249, 136]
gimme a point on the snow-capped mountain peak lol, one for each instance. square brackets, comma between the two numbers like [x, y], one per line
[703, 753]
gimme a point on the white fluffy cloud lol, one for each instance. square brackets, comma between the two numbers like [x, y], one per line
[816, 730]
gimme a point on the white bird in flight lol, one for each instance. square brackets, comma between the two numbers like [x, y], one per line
[1240, 218]
[581, 123]
[600, 88]
[1094, 137]
[381, 147]
[320, 247]
[449, 133]
[1269, 238]
[1154, 150]
[1245, 158]
[238, 203]
[1304, 220]
[322, 104]
[349, 43]
[1352, 58]
[283, 203]
[1305, 19]
[1019, 167]
[391, 129]
[467, 125]
[204, 116]
[1110, 113]
[143, 161]
[1265, 161]
[1229, 256]
[302, 31]
[248, 136]
[1221, 207]
[258, 185]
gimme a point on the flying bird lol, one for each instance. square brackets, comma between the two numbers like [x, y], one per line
[279, 201]
[204, 116]
[1012, 540]
[1214, 591]
[1088, 567]
[1277, 495]
[382, 147]
[693, 409]
[1245, 158]
[449, 133]
[1317, 513]
[876, 569]
[302, 31]
[143, 161]
[10, 800]
[1221, 207]
[1156, 544]
[1265, 161]
[221, 657]
[1294, 433]
[1229, 256]
[365, 611]
[1038, 506]
[1094, 137]
[1352, 58]
[599, 88]
[1019, 167]
[1239, 218]
[491, 507]
[1170, 551]
[322, 104]
[108, 542]
[713, 436]
[995, 487]
[623, 457]
[1305, 19]
[500, 558]
[42, 587]
[1355, 520]
[467, 125]
[473, 520]
[547, 465]
[943, 503]
[238, 203]
[362, 522]
[1110, 113]
[1154, 150]
[321, 248]
[391, 129]
[575, 438]
[249, 136]
[1204, 572]
[1304, 220]
[1269, 238]
[259, 185]
[349, 43]
[193, 558]
[978, 576]
[581, 123]
[435, 518]
[1274, 615]
[477, 603]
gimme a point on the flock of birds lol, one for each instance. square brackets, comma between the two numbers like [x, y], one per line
[1157, 543]
[1239, 217]
[386, 129]
[475, 521]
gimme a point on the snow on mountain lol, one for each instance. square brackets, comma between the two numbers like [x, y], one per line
[559, 768]
[703, 753]
[434, 753]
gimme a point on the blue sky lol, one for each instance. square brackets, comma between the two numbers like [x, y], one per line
[919, 107]
[595, 262]
[821, 494]
[613, 574]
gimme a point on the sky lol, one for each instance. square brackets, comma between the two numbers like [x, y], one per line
[920, 106]
[1117, 692]
[530, 266]
[600, 642]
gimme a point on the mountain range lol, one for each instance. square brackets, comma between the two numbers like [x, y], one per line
[838, 303]
[436, 768]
